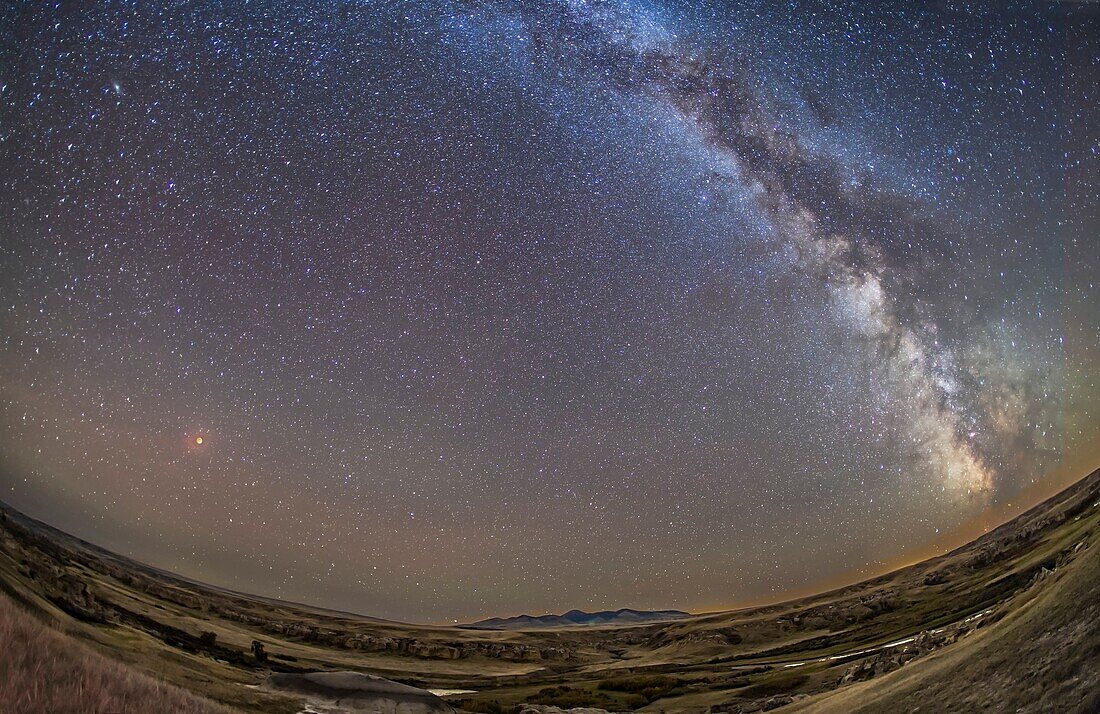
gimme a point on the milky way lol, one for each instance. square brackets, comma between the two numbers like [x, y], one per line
[432, 311]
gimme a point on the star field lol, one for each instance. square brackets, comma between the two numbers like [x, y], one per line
[436, 310]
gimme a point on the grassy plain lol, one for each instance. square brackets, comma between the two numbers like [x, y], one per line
[1014, 612]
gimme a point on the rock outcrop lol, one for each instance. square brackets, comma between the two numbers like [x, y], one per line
[893, 658]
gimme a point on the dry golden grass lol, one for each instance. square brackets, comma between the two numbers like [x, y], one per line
[43, 670]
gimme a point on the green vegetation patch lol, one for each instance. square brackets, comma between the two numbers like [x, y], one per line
[567, 697]
[480, 706]
[642, 689]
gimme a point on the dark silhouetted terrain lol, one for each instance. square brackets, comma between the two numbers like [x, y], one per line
[573, 618]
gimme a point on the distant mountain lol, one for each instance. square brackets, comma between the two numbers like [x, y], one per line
[578, 618]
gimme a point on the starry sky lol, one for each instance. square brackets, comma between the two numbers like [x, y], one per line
[434, 310]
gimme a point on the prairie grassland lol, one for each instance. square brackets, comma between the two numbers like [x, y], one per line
[43, 670]
[1006, 622]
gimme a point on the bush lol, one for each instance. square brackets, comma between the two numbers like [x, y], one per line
[480, 706]
[638, 684]
[643, 689]
[569, 698]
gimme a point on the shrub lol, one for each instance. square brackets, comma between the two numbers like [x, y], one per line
[638, 684]
[483, 706]
[569, 698]
[644, 689]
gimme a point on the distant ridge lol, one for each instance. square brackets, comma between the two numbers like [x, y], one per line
[578, 618]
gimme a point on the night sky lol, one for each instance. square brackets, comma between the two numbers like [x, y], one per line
[436, 310]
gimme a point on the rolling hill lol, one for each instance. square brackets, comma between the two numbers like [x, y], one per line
[1008, 622]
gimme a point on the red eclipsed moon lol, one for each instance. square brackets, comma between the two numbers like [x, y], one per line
[198, 441]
